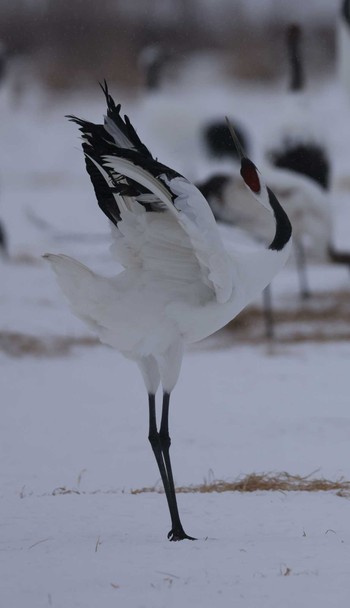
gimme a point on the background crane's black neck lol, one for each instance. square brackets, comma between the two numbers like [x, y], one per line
[339, 257]
[297, 80]
[346, 11]
[283, 226]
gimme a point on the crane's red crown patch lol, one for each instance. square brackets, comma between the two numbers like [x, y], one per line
[250, 175]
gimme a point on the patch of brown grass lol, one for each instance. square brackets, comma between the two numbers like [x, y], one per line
[16, 344]
[255, 482]
[323, 318]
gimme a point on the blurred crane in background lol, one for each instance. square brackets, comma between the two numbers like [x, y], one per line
[301, 151]
[3, 236]
[300, 178]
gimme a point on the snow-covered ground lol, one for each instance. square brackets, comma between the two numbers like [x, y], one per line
[73, 433]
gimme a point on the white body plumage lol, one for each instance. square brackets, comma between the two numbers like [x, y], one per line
[178, 286]
[180, 283]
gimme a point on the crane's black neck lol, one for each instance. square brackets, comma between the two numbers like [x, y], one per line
[297, 80]
[153, 75]
[283, 226]
[305, 158]
[345, 11]
[339, 257]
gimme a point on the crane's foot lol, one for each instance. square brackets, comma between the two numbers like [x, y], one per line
[179, 534]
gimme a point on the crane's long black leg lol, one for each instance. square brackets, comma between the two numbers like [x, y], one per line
[153, 438]
[177, 532]
[156, 443]
[301, 268]
[268, 313]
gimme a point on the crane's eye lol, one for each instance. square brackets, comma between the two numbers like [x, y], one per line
[250, 175]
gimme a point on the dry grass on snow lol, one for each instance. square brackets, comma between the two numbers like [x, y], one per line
[254, 482]
[16, 344]
[325, 317]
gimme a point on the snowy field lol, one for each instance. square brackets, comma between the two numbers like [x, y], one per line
[73, 433]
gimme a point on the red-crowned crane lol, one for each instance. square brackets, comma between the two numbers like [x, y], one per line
[179, 284]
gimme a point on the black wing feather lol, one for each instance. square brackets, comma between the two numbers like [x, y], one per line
[98, 143]
[105, 198]
[113, 112]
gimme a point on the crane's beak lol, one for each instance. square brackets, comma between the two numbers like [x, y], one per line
[235, 139]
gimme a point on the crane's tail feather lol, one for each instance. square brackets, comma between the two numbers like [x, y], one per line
[81, 286]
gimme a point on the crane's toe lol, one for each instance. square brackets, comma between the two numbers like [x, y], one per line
[179, 534]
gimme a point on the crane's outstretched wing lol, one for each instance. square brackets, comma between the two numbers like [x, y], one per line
[161, 221]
